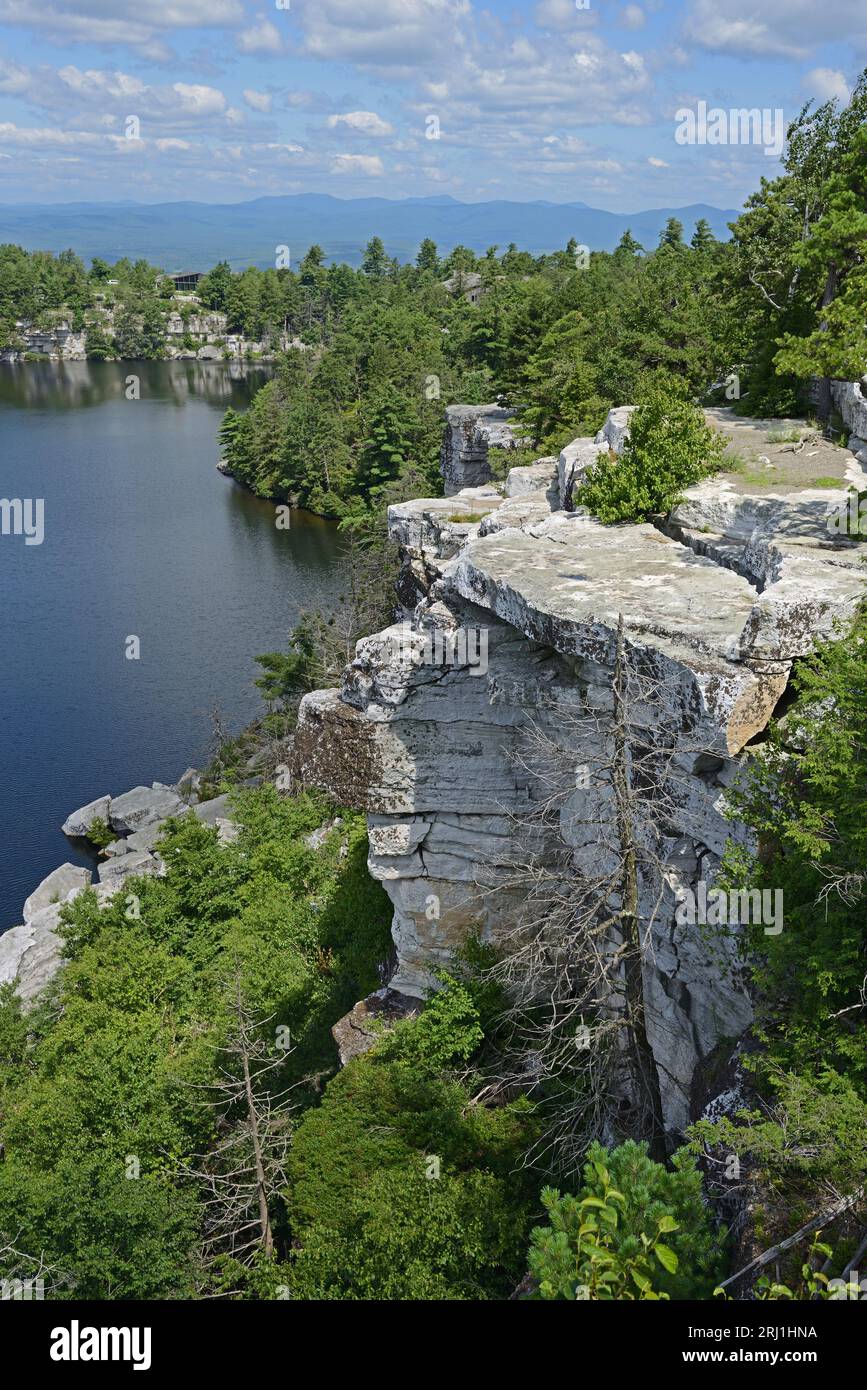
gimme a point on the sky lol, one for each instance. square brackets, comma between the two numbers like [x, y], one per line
[564, 100]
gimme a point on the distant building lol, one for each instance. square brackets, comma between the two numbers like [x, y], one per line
[187, 281]
[467, 283]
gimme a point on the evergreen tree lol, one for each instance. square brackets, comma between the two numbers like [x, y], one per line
[672, 233]
[427, 257]
[702, 238]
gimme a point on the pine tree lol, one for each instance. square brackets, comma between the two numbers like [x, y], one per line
[702, 238]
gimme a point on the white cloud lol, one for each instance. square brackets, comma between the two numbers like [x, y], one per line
[383, 33]
[264, 37]
[173, 145]
[826, 83]
[46, 137]
[88, 97]
[782, 28]
[368, 164]
[367, 122]
[658, 163]
[196, 100]
[562, 14]
[632, 17]
[132, 23]
[259, 101]
[14, 79]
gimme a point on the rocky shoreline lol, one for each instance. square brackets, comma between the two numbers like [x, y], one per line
[31, 954]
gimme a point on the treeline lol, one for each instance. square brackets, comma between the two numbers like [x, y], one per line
[564, 337]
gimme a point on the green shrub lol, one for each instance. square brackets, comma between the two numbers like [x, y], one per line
[607, 1239]
[669, 448]
[400, 1186]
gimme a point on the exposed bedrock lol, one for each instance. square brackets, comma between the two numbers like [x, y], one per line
[429, 731]
[470, 431]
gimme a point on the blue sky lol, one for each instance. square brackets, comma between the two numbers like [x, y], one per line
[236, 99]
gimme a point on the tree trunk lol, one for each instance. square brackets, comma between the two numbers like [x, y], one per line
[646, 1077]
[824, 400]
[264, 1217]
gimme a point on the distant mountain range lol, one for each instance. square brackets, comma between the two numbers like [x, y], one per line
[193, 236]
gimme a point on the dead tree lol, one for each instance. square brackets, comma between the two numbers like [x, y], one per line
[606, 791]
[241, 1175]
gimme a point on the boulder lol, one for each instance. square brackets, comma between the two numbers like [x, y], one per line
[367, 1023]
[79, 822]
[189, 784]
[227, 831]
[540, 476]
[616, 428]
[60, 885]
[578, 455]
[115, 871]
[142, 806]
[211, 811]
[470, 431]
[32, 953]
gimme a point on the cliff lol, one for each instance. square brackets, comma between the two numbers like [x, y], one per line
[477, 731]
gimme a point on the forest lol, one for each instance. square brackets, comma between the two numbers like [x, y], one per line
[173, 1120]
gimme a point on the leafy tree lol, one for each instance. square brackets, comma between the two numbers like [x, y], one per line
[375, 262]
[627, 245]
[636, 1230]
[669, 447]
[837, 346]
[804, 796]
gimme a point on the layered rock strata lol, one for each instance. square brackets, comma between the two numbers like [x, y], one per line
[429, 733]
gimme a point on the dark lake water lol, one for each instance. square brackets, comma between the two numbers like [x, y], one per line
[141, 536]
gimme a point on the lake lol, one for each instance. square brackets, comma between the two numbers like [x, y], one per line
[142, 538]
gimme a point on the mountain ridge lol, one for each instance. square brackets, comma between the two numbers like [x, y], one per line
[185, 232]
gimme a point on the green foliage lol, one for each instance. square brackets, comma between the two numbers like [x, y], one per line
[805, 796]
[100, 832]
[668, 448]
[401, 1187]
[783, 277]
[813, 1283]
[287, 675]
[448, 1031]
[810, 1138]
[119, 1060]
[837, 345]
[605, 1243]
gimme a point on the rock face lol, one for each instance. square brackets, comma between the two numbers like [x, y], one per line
[58, 887]
[144, 806]
[430, 730]
[31, 954]
[849, 398]
[80, 821]
[470, 431]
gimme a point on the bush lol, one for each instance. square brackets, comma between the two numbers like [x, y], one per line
[400, 1187]
[607, 1239]
[669, 448]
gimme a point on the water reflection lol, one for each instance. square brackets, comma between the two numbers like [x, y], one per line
[72, 385]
